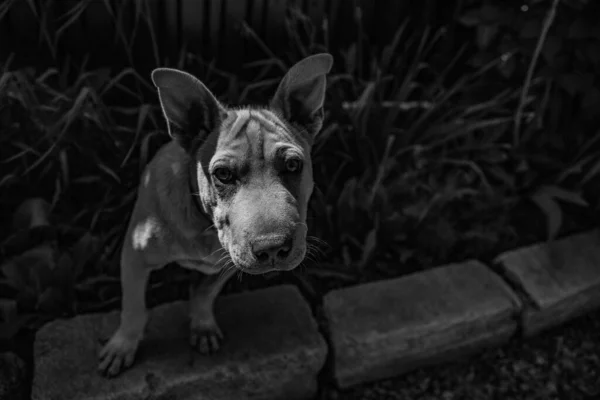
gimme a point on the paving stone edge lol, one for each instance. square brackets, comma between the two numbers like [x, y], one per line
[523, 302]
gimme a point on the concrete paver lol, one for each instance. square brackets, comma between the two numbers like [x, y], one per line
[272, 351]
[561, 279]
[386, 328]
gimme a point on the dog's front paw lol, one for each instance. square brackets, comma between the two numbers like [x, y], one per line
[206, 338]
[117, 355]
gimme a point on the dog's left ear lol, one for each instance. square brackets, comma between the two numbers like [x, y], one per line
[301, 93]
[191, 110]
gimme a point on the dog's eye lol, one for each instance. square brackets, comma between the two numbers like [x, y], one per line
[293, 165]
[223, 174]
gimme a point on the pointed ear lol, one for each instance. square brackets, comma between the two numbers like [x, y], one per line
[301, 93]
[191, 110]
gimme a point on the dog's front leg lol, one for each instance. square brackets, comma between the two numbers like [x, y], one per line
[119, 351]
[205, 334]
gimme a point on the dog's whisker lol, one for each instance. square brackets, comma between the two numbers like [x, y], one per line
[309, 253]
[311, 258]
[227, 267]
[223, 258]
[303, 268]
[320, 247]
[317, 240]
[230, 265]
[225, 271]
[299, 267]
[317, 243]
[208, 228]
[315, 260]
[314, 250]
[318, 253]
[213, 253]
[217, 250]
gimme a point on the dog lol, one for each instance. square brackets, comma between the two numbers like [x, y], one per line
[228, 193]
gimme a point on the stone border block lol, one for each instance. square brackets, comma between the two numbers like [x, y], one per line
[382, 329]
[561, 279]
[272, 351]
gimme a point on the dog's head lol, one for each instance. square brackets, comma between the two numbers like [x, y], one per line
[252, 165]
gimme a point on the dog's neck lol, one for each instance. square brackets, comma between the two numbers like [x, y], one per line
[195, 190]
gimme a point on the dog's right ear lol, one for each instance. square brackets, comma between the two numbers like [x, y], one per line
[300, 95]
[190, 109]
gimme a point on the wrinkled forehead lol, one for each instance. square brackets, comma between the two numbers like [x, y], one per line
[256, 133]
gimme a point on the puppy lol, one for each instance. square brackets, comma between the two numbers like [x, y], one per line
[229, 193]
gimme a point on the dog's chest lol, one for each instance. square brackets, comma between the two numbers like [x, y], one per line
[202, 252]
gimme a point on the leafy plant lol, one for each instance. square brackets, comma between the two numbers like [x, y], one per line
[550, 51]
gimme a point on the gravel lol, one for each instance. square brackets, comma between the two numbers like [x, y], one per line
[563, 363]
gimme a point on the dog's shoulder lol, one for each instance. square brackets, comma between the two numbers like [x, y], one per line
[163, 177]
[166, 176]
[167, 165]
[165, 224]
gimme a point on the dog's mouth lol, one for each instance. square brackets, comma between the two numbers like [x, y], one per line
[251, 265]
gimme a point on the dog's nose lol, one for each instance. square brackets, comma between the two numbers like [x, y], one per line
[271, 250]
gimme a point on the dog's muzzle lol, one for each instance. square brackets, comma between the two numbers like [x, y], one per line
[270, 251]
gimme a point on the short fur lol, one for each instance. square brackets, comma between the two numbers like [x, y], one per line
[229, 193]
